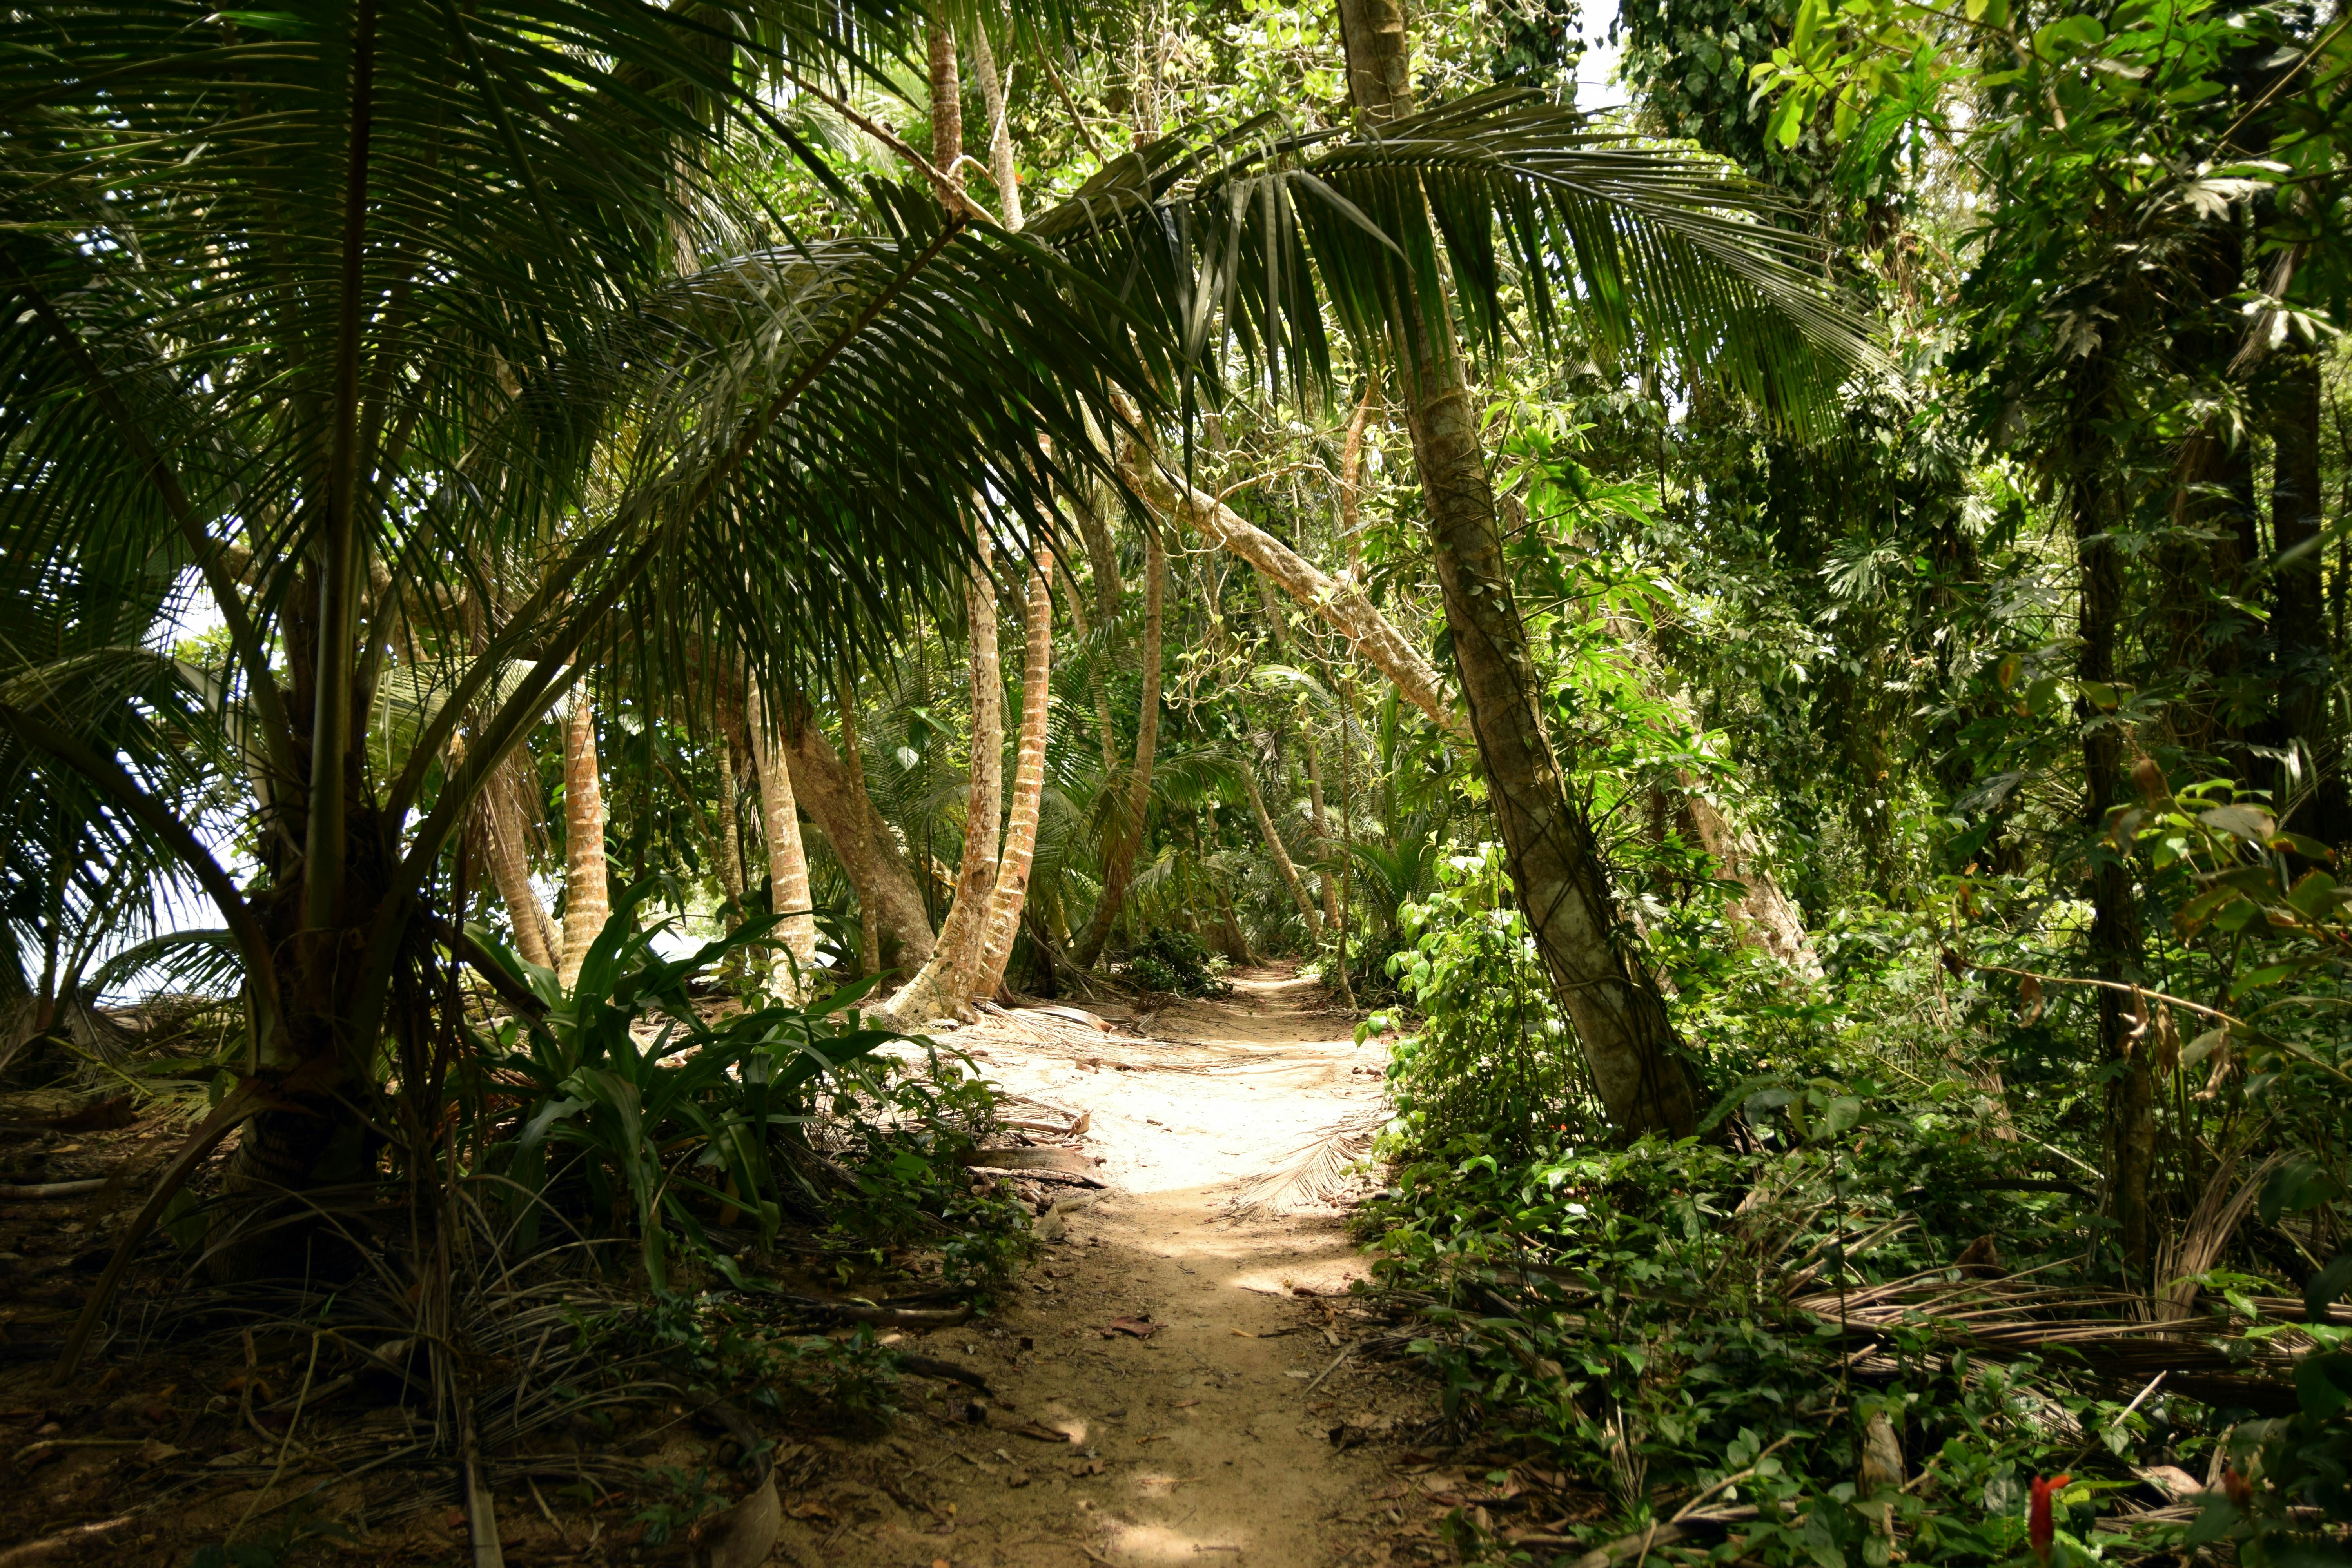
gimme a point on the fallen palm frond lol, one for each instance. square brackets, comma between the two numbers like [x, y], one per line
[2105, 1332]
[1315, 1174]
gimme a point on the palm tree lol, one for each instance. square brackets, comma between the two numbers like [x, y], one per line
[1419, 219]
[366, 296]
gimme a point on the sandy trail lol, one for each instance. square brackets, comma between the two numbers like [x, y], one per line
[1208, 1441]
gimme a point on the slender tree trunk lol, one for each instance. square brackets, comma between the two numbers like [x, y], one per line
[1002, 170]
[1118, 866]
[1636, 1063]
[1351, 481]
[730, 833]
[1284, 866]
[1348, 836]
[2115, 911]
[2297, 614]
[587, 899]
[535, 936]
[937, 990]
[832, 788]
[1012, 894]
[788, 876]
[1315, 812]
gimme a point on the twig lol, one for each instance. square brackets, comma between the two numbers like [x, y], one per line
[951, 195]
[1077, 118]
[1328, 1371]
[284, 1449]
[1685, 1512]
[2119, 1420]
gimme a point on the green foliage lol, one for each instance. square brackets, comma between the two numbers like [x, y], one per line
[1173, 960]
[1491, 1062]
[1667, 1314]
[687, 1116]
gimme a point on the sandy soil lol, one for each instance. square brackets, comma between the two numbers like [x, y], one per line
[1208, 1438]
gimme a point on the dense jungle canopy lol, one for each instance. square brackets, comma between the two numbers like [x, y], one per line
[589, 584]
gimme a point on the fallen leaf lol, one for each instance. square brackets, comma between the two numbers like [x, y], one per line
[1140, 1328]
[811, 1510]
[154, 1453]
[1186, 1404]
[1017, 1479]
[1088, 1467]
[1155, 1437]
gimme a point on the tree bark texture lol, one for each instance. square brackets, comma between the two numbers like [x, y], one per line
[947, 105]
[1119, 866]
[1630, 1049]
[587, 897]
[788, 876]
[1765, 914]
[1012, 892]
[937, 989]
[834, 792]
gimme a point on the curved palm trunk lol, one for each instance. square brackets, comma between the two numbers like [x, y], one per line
[1119, 869]
[1629, 1044]
[587, 897]
[1315, 806]
[787, 877]
[937, 990]
[1369, 633]
[1283, 864]
[535, 935]
[832, 786]
[1012, 893]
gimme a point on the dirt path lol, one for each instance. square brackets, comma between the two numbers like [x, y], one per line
[1208, 1439]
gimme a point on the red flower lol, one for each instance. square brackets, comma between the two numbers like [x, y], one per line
[2040, 1530]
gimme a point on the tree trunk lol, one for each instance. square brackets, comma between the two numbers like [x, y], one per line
[1351, 482]
[1001, 169]
[1283, 864]
[947, 105]
[1331, 887]
[1342, 605]
[1012, 894]
[535, 936]
[788, 876]
[2115, 911]
[1761, 910]
[731, 833]
[938, 990]
[1119, 866]
[1629, 1044]
[2297, 614]
[834, 792]
[587, 900]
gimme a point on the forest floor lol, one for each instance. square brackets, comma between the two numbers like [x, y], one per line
[1178, 1377]
[1164, 1386]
